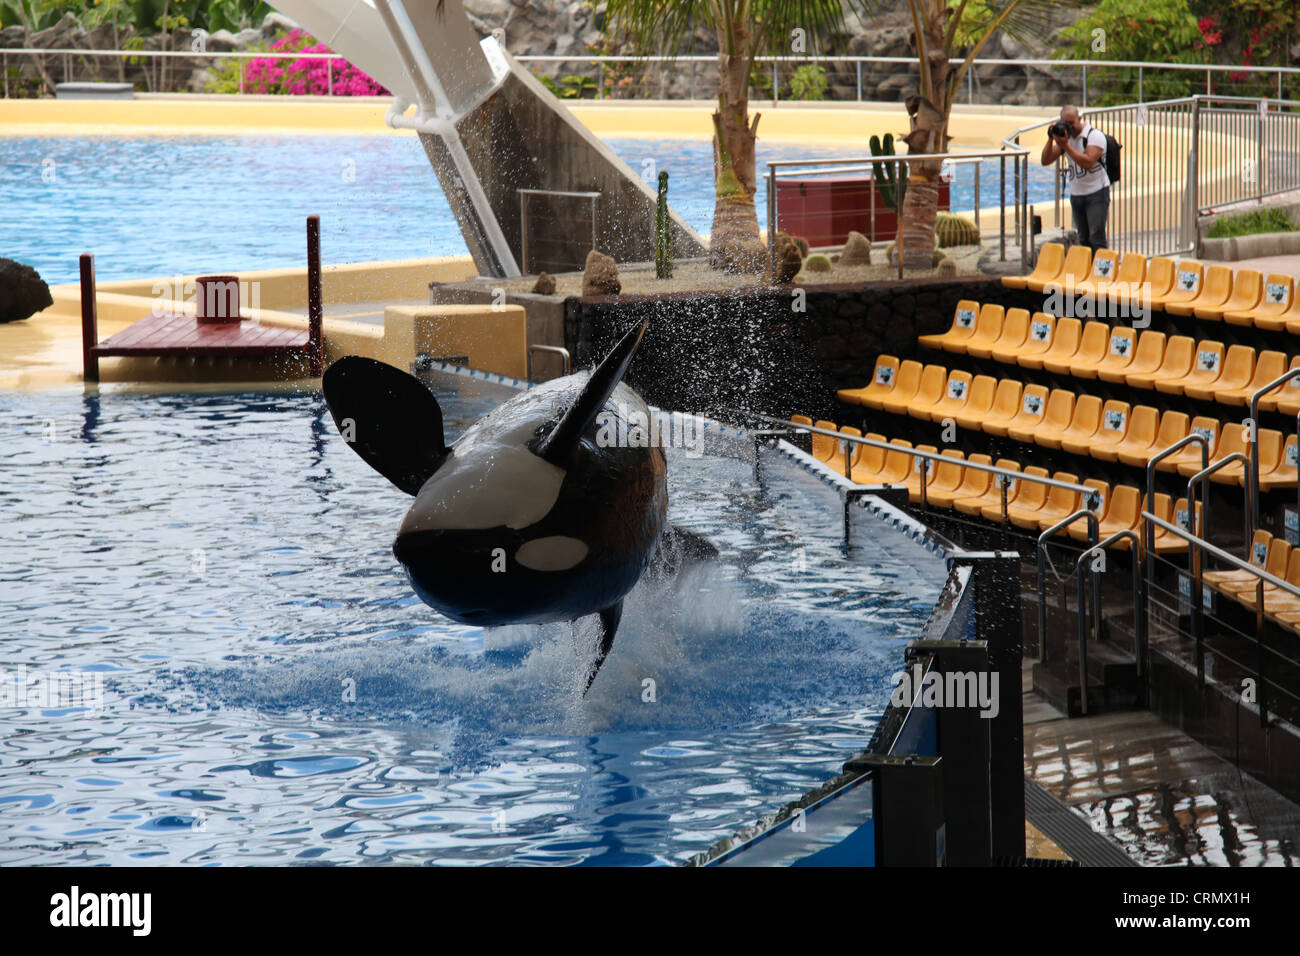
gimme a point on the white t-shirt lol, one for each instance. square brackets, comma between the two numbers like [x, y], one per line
[1082, 181]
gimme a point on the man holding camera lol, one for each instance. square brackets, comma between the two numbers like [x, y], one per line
[1085, 151]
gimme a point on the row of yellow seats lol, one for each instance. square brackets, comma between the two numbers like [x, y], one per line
[1176, 365]
[1183, 288]
[1279, 559]
[1030, 504]
[1081, 424]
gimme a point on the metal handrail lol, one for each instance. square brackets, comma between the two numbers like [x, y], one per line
[559, 350]
[1254, 446]
[916, 452]
[1039, 553]
[1101, 546]
[1222, 555]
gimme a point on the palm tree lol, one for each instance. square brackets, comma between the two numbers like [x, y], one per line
[942, 29]
[744, 29]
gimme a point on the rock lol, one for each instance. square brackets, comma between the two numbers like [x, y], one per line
[817, 262]
[199, 80]
[788, 260]
[22, 292]
[247, 37]
[600, 275]
[545, 284]
[64, 34]
[857, 251]
[277, 23]
[11, 38]
[223, 41]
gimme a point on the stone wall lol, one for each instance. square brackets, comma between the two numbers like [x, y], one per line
[752, 351]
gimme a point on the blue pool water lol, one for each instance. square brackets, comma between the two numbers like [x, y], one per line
[158, 206]
[273, 692]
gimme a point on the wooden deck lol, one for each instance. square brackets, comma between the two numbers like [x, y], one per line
[172, 334]
[178, 335]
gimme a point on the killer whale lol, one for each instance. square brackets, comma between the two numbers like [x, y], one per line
[526, 518]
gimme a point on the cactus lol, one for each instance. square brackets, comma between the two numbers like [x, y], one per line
[893, 187]
[817, 262]
[952, 230]
[663, 232]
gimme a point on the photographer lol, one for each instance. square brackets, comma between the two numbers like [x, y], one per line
[1085, 151]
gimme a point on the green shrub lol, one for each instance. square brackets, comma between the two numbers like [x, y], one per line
[808, 82]
[1248, 224]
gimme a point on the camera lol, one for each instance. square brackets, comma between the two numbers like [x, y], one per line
[1058, 129]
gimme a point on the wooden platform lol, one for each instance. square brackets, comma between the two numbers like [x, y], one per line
[171, 334]
[174, 334]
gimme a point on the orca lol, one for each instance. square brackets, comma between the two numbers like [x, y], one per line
[526, 518]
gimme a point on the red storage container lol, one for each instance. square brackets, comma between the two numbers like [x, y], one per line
[825, 209]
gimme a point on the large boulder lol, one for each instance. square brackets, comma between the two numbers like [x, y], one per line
[600, 275]
[788, 259]
[857, 250]
[23, 292]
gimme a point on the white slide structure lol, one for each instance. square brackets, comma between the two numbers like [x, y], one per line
[490, 130]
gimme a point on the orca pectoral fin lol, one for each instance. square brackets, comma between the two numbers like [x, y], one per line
[388, 417]
[609, 619]
[679, 548]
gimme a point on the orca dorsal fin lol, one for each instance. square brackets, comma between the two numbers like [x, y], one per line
[556, 445]
[388, 417]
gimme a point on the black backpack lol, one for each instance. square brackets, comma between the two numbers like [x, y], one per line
[1113, 146]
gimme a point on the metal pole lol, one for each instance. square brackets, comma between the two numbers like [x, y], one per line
[978, 164]
[859, 66]
[776, 84]
[1085, 86]
[1140, 97]
[523, 232]
[771, 220]
[1002, 229]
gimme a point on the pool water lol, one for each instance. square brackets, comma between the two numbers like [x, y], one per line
[160, 206]
[274, 693]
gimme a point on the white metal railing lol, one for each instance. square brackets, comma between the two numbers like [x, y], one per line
[598, 62]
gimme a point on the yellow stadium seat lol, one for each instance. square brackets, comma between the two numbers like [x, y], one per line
[1083, 424]
[1268, 366]
[1091, 350]
[1054, 414]
[913, 479]
[1109, 436]
[1065, 342]
[870, 463]
[1165, 542]
[1285, 399]
[1120, 349]
[904, 390]
[1214, 292]
[1276, 601]
[1137, 438]
[1173, 427]
[1205, 370]
[1259, 548]
[988, 325]
[963, 326]
[1042, 328]
[1073, 271]
[1272, 446]
[1096, 503]
[1011, 403]
[930, 385]
[955, 392]
[1123, 283]
[1232, 440]
[847, 456]
[1060, 503]
[928, 393]
[1284, 474]
[945, 479]
[898, 464]
[974, 504]
[1145, 358]
[1238, 369]
[1028, 498]
[1271, 311]
[983, 390]
[1161, 273]
[1188, 280]
[1207, 428]
[1012, 334]
[1176, 362]
[973, 484]
[1105, 265]
[1247, 289]
[1050, 260]
[1124, 513]
[823, 446]
[882, 382]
